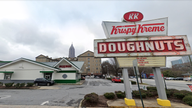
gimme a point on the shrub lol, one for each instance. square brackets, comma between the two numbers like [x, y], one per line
[22, 84]
[108, 78]
[120, 94]
[179, 95]
[185, 92]
[1, 84]
[30, 84]
[9, 84]
[122, 81]
[17, 85]
[171, 92]
[137, 94]
[133, 82]
[151, 88]
[92, 98]
[190, 93]
[109, 95]
[168, 94]
[187, 100]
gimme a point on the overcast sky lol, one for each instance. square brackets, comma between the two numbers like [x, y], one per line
[31, 28]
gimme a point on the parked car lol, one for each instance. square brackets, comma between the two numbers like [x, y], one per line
[132, 77]
[178, 78]
[170, 78]
[151, 77]
[116, 79]
[82, 78]
[187, 79]
[43, 81]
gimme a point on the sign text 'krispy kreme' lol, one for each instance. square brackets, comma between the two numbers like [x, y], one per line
[157, 27]
[133, 16]
[143, 46]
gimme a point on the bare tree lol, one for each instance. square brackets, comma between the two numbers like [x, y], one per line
[114, 69]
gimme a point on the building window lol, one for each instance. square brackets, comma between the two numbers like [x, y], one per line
[7, 76]
[88, 62]
[96, 68]
[88, 59]
[88, 54]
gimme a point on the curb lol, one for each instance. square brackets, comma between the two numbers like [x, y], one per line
[78, 83]
[80, 104]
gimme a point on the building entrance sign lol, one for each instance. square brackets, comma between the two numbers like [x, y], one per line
[156, 27]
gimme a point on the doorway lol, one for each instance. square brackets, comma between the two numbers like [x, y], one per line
[48, 76]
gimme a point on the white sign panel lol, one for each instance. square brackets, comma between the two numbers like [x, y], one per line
[142, 46]
[156, 27]
[141, 61]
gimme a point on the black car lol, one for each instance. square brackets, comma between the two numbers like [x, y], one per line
[179, 78]
[43, 81]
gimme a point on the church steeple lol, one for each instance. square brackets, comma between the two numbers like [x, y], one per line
[71, 51]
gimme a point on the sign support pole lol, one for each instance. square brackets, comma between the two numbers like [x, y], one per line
[127, 84]
[128, 100]
[159, 83]
[162, 100]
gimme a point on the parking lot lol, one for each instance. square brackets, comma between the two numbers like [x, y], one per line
[70, 95]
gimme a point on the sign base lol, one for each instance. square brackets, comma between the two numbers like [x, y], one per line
[163, 102]
[130, 102]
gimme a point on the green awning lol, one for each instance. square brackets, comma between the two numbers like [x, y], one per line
[46, 71]
[6, 72]
[67, 71]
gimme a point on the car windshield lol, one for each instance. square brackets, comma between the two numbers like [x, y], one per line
[117, 78]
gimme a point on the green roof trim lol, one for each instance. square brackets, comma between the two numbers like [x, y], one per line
[5, 61]
[67, 71]
[6, 72]
[46, 71]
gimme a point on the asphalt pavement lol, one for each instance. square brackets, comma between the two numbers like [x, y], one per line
[63, 95]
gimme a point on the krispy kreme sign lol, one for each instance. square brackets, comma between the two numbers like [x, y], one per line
[143, 46]
[157, 27]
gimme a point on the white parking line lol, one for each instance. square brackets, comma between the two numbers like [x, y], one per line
[5, 96]
[45, 102]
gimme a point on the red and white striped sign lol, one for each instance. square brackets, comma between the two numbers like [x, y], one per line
[143, 46]
[190, 86]
[157, 27]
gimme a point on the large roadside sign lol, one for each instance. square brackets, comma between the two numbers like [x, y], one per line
[156, 27]
[141, 61]
[142, 46]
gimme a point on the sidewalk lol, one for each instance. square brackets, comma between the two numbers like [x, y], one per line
[147, 103]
